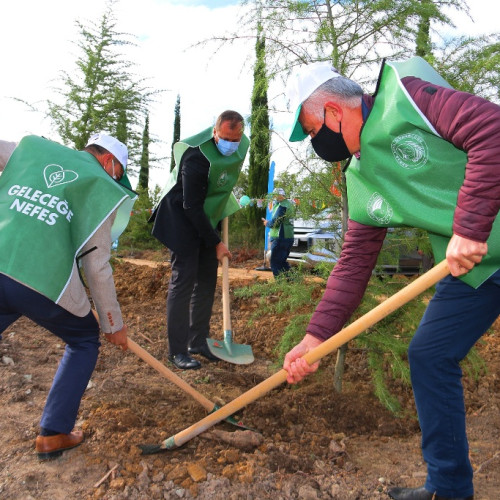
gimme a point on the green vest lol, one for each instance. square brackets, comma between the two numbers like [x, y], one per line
[222, 176]
[286, 221]
[52, 200]
[407, 175]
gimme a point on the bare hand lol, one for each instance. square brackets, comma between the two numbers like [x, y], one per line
[264, 221]
[118, 338]
[296, 366]
[222, 251]
[463, 254]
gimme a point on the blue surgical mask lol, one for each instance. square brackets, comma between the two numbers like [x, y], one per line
[227, 148]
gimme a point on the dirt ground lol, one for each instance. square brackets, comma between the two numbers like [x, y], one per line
[315, 444]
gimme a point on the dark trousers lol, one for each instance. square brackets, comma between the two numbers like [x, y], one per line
[190, 298]
[457, 316]
[280, 250]
[81, 336]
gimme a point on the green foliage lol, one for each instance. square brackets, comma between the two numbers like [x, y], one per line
[137, 235]
[472, 65]
[311, 189]
[240, 223]
[292, 335]
[260, 140]
[473, 365]
[283, 294]
[101, 94]
[385, 343]
[353, 35]
[177, 129]
[144, 162]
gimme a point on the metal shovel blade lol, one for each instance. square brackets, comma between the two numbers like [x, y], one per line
[227, 350]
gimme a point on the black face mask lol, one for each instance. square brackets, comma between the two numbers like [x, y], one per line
[330, 145]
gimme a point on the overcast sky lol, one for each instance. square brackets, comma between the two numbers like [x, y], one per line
[36, 39]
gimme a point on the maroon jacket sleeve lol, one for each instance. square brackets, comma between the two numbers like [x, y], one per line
[471, 124]
[347, 282]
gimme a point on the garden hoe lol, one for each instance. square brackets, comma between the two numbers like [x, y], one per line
[227, 350]
[179, 382]
[400, 298]
[159, 367]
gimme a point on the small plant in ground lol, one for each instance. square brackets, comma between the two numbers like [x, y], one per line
[385, 343]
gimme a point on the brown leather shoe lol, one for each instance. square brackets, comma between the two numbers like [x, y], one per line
[49, 447]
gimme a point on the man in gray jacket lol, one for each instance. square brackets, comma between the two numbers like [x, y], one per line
[40, 192]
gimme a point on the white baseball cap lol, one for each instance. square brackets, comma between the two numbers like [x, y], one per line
[280, 191]
[114, 146]
[301, 85]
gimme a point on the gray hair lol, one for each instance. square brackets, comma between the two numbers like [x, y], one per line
[341, 89]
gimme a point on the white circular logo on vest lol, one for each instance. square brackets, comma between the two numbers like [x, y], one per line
[410, 151]
[222, 180]
[55, 175]
[379, 209]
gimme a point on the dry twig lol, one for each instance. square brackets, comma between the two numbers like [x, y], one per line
[110, 471]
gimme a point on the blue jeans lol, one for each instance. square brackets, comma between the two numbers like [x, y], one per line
[81, 336]
[457, 316]
[280, 250]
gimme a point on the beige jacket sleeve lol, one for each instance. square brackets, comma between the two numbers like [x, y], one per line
[6, 149]
[99, 277]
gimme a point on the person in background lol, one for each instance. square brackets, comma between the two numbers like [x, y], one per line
[425, 156]
[281, 232]
[57, 206]
[197, 196]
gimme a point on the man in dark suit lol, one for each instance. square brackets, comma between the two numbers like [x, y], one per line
[198, 195]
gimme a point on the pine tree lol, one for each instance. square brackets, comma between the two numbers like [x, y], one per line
[100, 94]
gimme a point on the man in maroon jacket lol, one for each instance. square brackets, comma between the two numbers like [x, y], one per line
[422, 131]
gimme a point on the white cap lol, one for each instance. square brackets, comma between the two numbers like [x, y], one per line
[114, 146]
[280, 191]
[301, 85]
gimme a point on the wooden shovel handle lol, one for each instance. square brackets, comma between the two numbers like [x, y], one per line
[226, 309]
[161, 368]
[381, 311]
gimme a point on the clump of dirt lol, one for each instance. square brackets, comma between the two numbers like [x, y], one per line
[316, 444]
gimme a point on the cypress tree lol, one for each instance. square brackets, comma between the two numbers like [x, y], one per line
[177, 129]
[144, 161]
[260, 138]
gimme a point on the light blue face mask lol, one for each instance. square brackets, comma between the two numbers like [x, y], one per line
[227, 148]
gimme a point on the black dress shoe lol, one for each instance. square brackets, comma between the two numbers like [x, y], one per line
[184, 362]
[419, 494]
[203, 351]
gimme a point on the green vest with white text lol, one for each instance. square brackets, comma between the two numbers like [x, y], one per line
[222, 176]
[286, 221]
[52, 200]
[407, 175]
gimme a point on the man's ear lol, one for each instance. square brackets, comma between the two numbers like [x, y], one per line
[335, 110]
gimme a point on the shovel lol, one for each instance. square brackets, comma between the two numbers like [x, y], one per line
[159, 367]
[227, 350]
[400, 298]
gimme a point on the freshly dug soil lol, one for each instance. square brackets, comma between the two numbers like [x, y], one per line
[313, 443]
